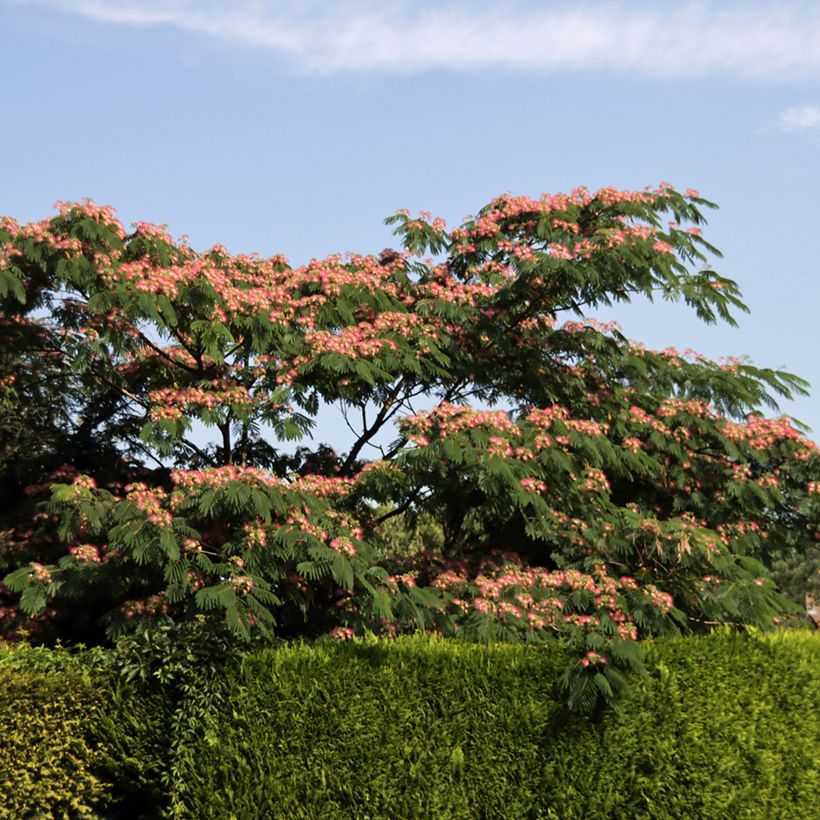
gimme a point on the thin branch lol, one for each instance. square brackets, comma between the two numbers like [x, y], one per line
[131, 396]
[235, 348]
[147, 452]
[195, 352]
[201, 453]
[347, 422]
[408, 502]
[388, 410]
[165, 356]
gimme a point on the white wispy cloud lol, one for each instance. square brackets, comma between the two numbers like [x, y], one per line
[768, 41]
[800, 118]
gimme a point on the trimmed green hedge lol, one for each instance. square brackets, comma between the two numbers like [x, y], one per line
[724, 726]
[410, 728]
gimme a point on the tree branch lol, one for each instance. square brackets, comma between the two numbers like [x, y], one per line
[403, 507]
[389, 409]
[169, 359]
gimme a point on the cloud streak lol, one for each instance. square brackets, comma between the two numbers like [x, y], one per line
[800, 118]
[695, 39]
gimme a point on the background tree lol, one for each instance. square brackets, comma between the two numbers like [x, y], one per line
[609, 491]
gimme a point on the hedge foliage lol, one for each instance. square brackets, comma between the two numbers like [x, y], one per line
[47, 759]
[723, 726]
[75, 740]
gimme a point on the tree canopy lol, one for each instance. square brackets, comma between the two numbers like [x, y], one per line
[548, 477]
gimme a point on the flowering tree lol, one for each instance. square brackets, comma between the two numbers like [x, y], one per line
[620, 491]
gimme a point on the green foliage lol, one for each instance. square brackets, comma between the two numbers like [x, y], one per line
[76, 741]
[648, 478]
[799, 578]
[411, 728]
[130, 733]
[406, 534]
[724, 726]
[179, 666]
[46, 758]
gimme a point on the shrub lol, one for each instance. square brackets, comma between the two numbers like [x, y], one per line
[723, 726]
[46, 758]
[76, 739]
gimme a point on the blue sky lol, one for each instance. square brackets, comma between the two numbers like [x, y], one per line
[297, 127]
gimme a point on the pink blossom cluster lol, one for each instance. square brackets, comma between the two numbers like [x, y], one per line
[544, 417]
[148, 229]
[41, 233]
[595, 481]
[154, 605]
[571, 326]
[255, 535]
[736, 529]
[86, 553]
[632, 444]
[448, 419]
[692, 407]
[498, 446]
[761, 433]
[588, 427]
[150, 501]
[346, 523]
[219, 476]
[243, 584]
[536, 597]
[170, 403]
[7, 250]
[523, 213]
[593, 658]
[301, 521]
[444, 287]
[248, 286]
[343, 545]
[658, 598]
[323, 486]
[639, 416]
[407, 578]
[87, 209]
[508, 206]
[363, 340]
[146, 277]
[576, 250]
[41, 573]
[768, 481]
